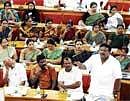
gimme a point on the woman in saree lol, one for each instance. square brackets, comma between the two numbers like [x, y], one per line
[95, 37]
[6, 51]
[91, 16]
[52, 53]
[27, 30]
[29, 54]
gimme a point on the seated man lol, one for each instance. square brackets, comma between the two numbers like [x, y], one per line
[6, 51]
[70, 79]
[15, 74]
[43, 75]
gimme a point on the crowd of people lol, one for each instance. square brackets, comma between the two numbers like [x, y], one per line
[103, 66]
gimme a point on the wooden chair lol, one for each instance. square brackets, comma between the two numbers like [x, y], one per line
[86, 82]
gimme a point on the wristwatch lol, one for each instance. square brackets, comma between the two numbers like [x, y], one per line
[115, 93]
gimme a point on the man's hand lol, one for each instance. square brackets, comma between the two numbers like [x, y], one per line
[38, 72]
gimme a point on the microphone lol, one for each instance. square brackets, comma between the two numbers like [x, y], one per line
[44, 96]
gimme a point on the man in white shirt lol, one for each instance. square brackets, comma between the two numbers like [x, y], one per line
[15, 73]
[70, 80]
[105, 74]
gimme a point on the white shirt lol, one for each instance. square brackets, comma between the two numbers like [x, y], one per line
[8, 52]
[112, 21]
[17, 75]
[71, 77]
[50, 3]
[103, 75]
[71, 4]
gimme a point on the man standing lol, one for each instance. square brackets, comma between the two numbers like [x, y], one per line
[70, 80]
[105, 74]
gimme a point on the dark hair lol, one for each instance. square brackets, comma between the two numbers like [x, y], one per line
[67, 58]
[106, 45]
[113, 6]
[93, 3]
[40, 57]
[25, 20]
[29, 40]
[31, 3]
[51, 41]
[7, 2]
[78, 41]
[95, 24]
[120, 25]
[4, 20]
[70, 22]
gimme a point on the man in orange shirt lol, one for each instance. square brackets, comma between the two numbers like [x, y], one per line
[43, 75]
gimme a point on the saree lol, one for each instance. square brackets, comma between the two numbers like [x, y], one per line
[31, 55]
[98, 38]
[94, 19]
[52, 54]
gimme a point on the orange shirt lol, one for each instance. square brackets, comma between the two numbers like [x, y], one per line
[45, 77]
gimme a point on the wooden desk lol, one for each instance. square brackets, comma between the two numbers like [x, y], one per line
[63, 15]
[52, 95]
[22, 45]
[125, 90]
[17, 44]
